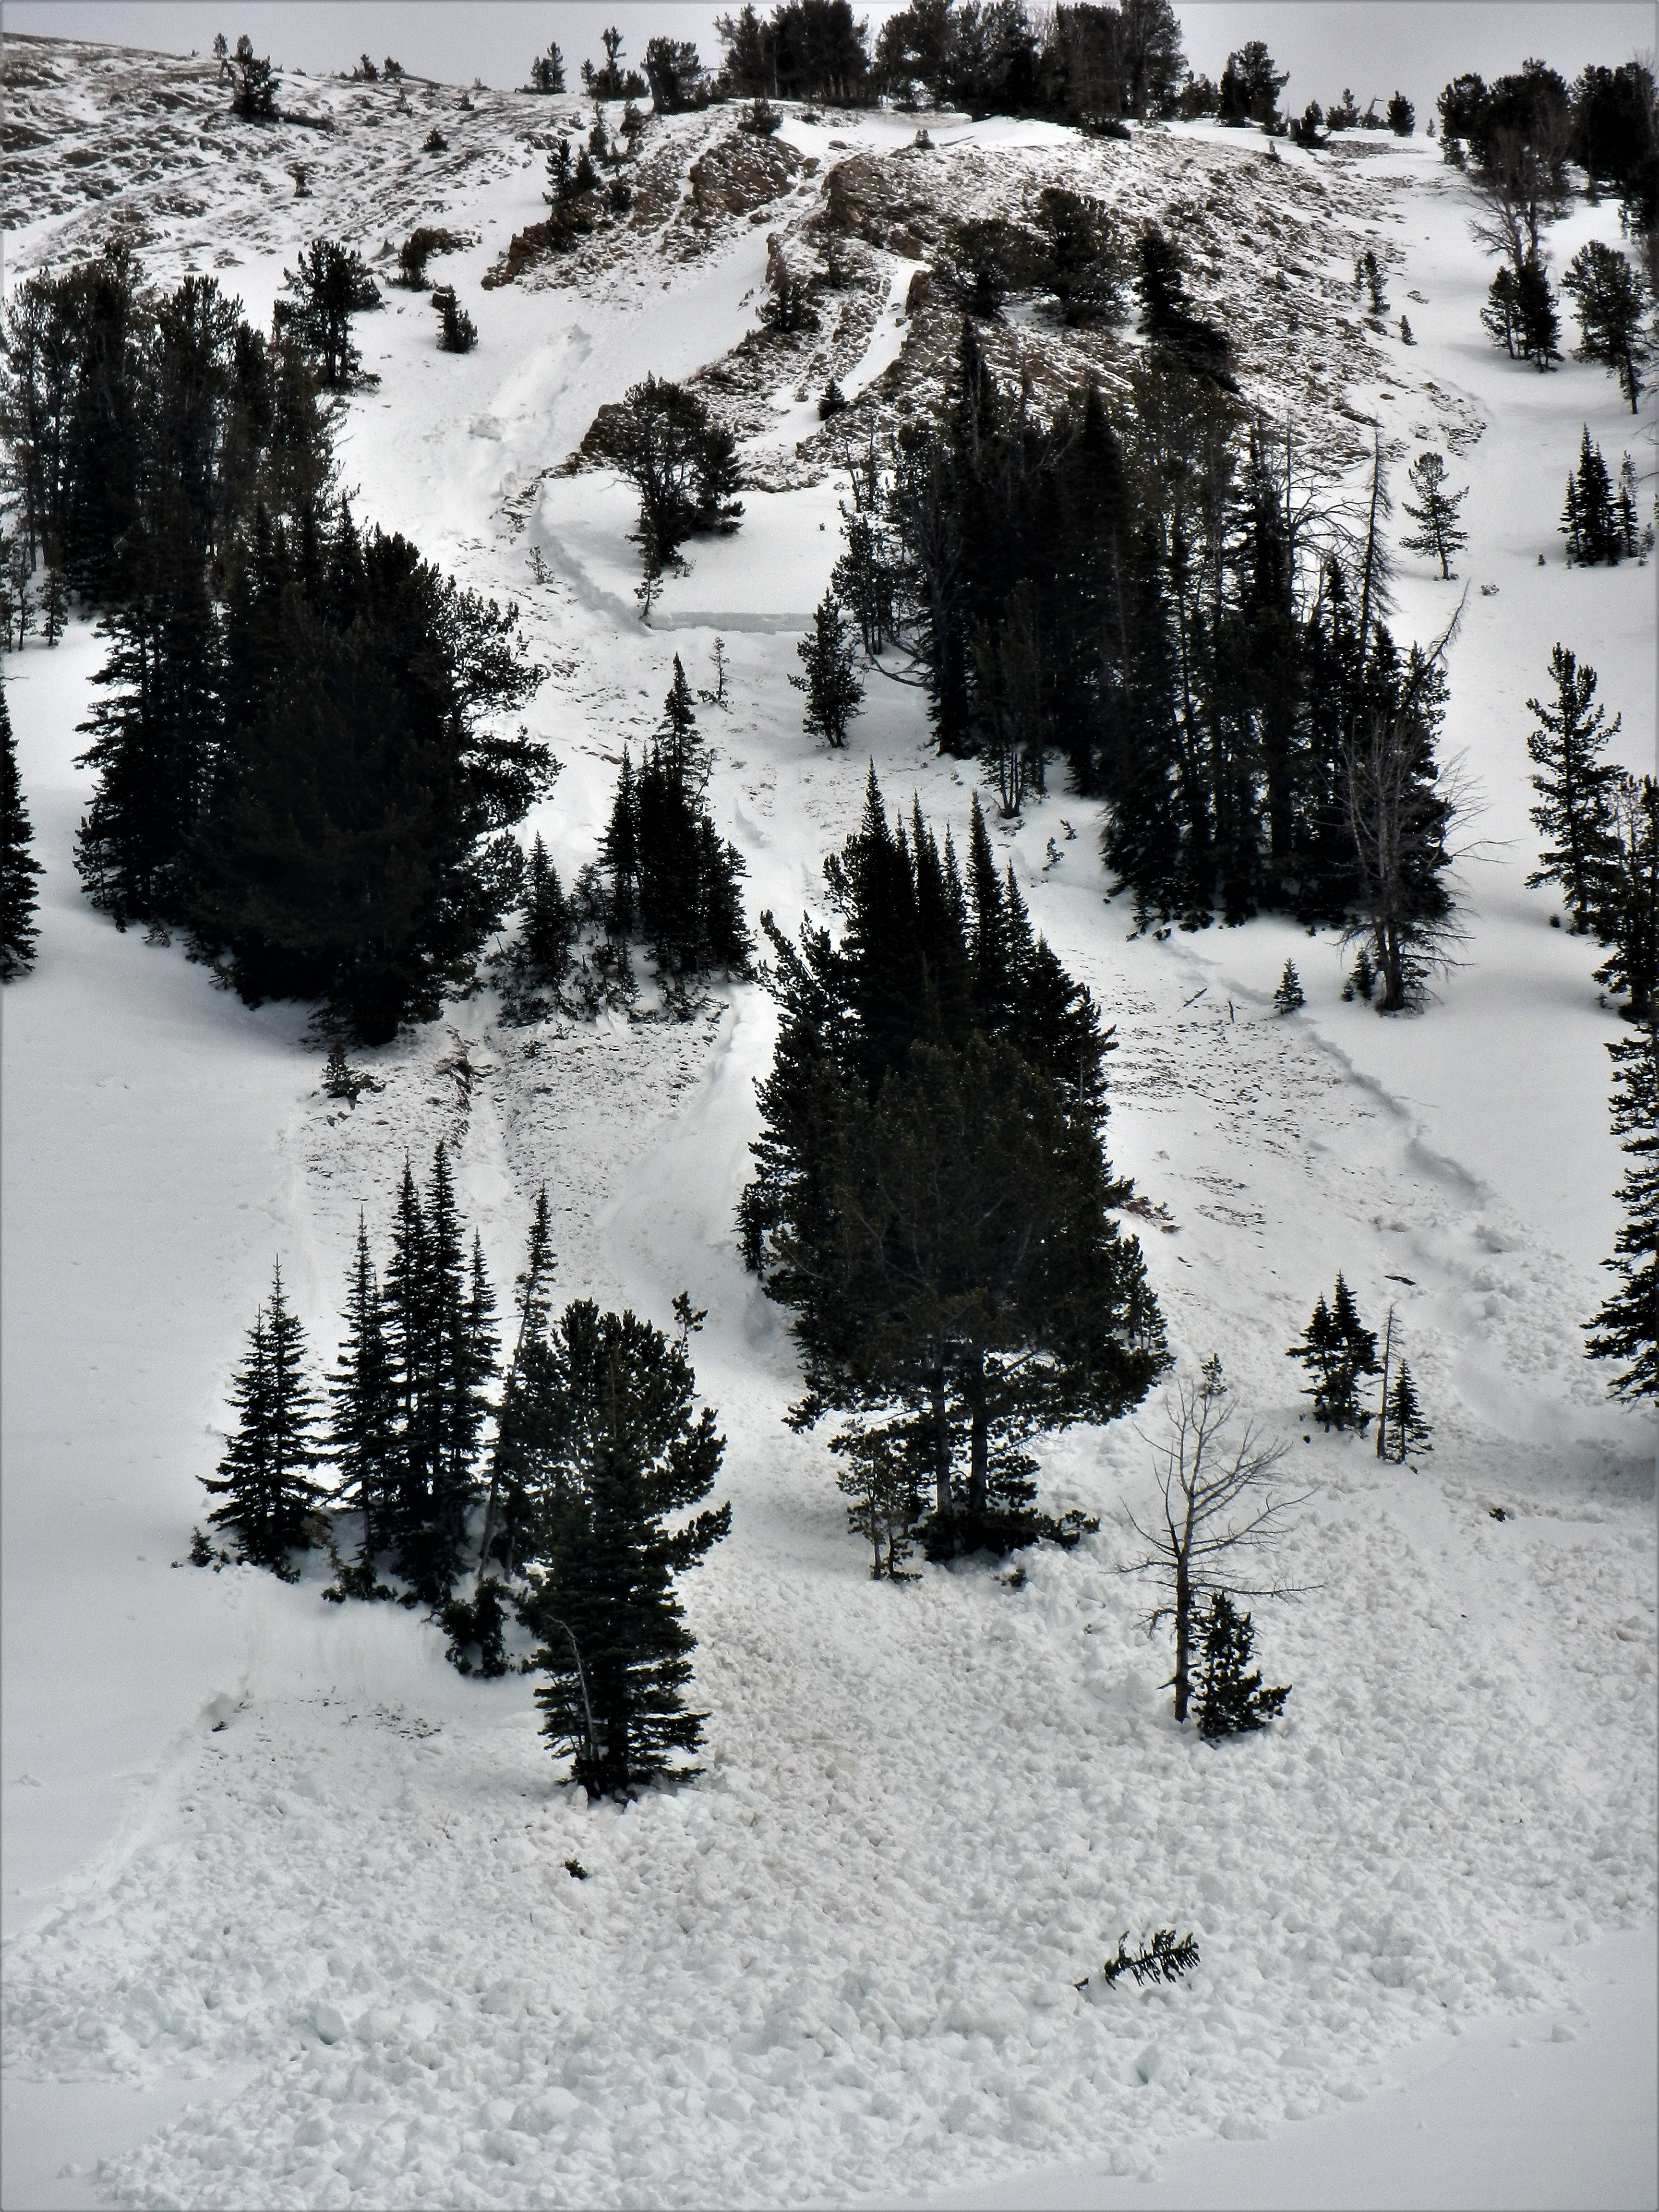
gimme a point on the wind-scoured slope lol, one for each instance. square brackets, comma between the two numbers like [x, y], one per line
[281, 1843]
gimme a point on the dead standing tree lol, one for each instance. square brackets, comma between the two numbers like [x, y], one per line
[1218, 1511]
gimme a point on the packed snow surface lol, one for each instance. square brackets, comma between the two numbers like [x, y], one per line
[279, 1851]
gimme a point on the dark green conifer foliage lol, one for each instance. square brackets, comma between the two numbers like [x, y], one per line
[1626, 1328]
[363, 1435]
[330, 285]
[672, 875]
[1611, 298]
[534, 968]
[1289, 995]
[1627, 918]
[1230, 1700]
[1538, 324]
[834, 691]
[1590, 520]
[262, 1477]
[1575, 787]
[608, 1422]
[508, 1511]
[1408, 1431]
[1439, 534]
[18, 866]
[1338, 1351]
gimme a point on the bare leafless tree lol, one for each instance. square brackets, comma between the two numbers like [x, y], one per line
[1216, 1512]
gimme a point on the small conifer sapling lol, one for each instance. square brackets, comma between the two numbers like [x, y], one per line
[1289, 995]
[1231, 1700]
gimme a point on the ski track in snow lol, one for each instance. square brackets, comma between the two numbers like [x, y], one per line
[842, 1962]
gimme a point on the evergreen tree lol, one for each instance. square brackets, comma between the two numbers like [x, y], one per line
[534, 966]
[605, 1409]
[834, 691]
[1231, 1702]
[353, 847]
[1501, 316]
[547, 71]
[1289, 995]
[363, 1426]
[54, 602]
[18, 866]
[1591, 521]
[457, 332]
[670, 874]
[1338, 1351]
[1611, 299]
[508, 1518]
[1408, 1431]
[1439, 534]
[1538, 326]
[269, 1496]
[1626, 1327]
[1575, 787]
[1627, 917]
[883, 1481]
[330, 285]
[408, 1331]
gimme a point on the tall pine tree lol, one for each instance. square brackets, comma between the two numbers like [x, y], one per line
[1575, 787]
[363, 1425]
[607, 1419]
[1626, 1328]
[264, 1477]
[18, 866]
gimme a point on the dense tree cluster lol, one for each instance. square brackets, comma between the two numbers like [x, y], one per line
[596, 1441]
[1601, 525]
[670, 879]
[290, 749]
[1091, 66]
[1339, 1353]
[931, 1199]
[1169, 601]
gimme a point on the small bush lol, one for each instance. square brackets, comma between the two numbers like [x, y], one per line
[457, 332]
[761, 118]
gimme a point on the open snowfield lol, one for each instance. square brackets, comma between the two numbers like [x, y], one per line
[288, 1921]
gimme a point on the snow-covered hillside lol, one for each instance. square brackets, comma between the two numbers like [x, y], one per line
[275, 1856]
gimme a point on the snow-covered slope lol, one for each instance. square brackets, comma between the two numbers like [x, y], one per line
[279, 1850]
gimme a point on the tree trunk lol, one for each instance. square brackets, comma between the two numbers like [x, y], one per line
[944, 1503]
[979, 1437]
[1184, 1634]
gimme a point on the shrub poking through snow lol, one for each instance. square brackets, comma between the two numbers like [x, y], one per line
[1216, 1508]
[761, 118]
[457, 332]
[1163, 1959]
[1230, 1700]
[606, 1421]
[264, 1477]
[1289, 995]
[1338, 1351]
[341, 1080]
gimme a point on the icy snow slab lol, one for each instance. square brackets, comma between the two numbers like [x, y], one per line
[768, 576]
[1553, 2111]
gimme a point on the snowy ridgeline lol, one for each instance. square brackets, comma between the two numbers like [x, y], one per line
[283, 1847]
